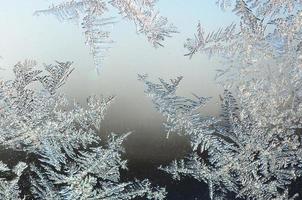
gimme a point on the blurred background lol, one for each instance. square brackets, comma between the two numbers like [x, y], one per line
[45, 39]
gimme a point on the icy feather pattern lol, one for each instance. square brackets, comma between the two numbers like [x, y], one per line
[262, 54]
[146, 18]
[180, 111]
[9, 189]
[253, 149]
[90, 14]
[92, 174]
[211, 43]
[60, 141]
[232, 153]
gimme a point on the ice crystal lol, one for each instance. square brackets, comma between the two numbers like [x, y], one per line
[65, 158]
[90, 14]
[253, 149]
[9, 189]
[261, 58]
[232, 153]
[92, 174]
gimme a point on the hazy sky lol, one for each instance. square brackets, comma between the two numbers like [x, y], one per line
[45, 39]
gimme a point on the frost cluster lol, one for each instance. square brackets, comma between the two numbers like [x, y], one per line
[90, 14]
[253, 150]
[63, 156]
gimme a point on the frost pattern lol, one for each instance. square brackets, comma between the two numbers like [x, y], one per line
[60, 140]
[232, 153]
[253, 150]
[9, 189]
[261, 58]
[90, 15]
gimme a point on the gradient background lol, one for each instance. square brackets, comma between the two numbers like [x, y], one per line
[45, 39]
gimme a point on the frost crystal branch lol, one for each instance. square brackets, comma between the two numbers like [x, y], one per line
[262, 59]
[60, 141]
[9, 189]
[232, 153]
[90, 14]
[253, 149]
